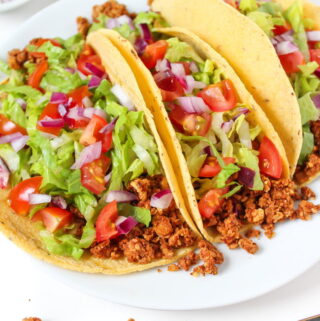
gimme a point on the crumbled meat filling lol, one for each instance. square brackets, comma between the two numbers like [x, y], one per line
[17, 58]
[83, 26]
[111, 8]
[166, 233]
[31, 319]
[252, 233]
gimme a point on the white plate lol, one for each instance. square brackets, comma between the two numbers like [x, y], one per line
[6, 6]
[243, 276]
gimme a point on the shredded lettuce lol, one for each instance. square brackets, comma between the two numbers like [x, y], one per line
[142, 215]
[307, 144]
[263, 20]
[246, 6]
[12, 109]
[308, 110]
[146, 17]
[224, 175]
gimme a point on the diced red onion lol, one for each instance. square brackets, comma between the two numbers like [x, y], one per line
[48, 122]
[287, 36]
[207, 150]
[192, 104]
[193, 67]
[161, 199]
[107, 178]
[226, 126]
[313, 35]
[119, 21]
[146, 32]
[286, 47]
[125, 224]
[162, 65]
[59, 98]
[317, 72]
[75, 113]
[246, 176]
[39, 199]
[90, 111]
[242, 111]
[140, 45]
[316, 100]
[4, 174]
[193, 84]
[19, 143]
[179, 71]
[109, 128]
[59, 201]
[22, 103]
[88, 155]
[94, 82]
[81, 75]
[94, 70]
[62, 110]
[121, 197]
[10, 138]
[71, 70]
[122, 96]
[86, 101]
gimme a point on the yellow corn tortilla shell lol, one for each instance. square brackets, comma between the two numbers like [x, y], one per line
[154, 102]
[25, 233]
[249, 51]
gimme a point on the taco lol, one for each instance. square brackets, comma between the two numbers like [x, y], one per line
[224, 150]
[294, 30]
[86, 181]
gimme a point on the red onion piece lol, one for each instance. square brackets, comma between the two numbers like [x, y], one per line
[287, 36]
[4, 174]
[39, 199]
[109, 128]
[88, 155]
[119, 21]
[162, 65]
[193, 84]
[313, 35]
[207, 150]
[316, 100]
[147, 36]
[59, 201]
[76, 113]
[94, 70]
[140, 45]
[22, 103]
[242, 111]
[81, 75]
[193, 67]
[286, 47]
[317, 72]
[107, 178]
[10, 138]
[125, 224]
[226, 126]
[59, 98]
[179, 71]
[166, 80]
[62, 110]
[161, 199]
[48, 122]
[19, 143]
[122, 96]
[86, 101]
[246, 176]
[121, 197]
[192, 104]
[90, 111]
[94, 82]
[71, 70]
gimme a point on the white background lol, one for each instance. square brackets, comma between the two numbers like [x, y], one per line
[27, 291]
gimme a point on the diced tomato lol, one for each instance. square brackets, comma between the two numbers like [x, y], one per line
[53, 218]
[269, 159]
[219, 97]
[186, 66]
[211, 202]
[192, 124]
[91, 133]
[291, 61]
[78, 94]
[19, 195]
[51, 110]
[106, 142]
[88, 56]
[105, 224]
[36, 77]
[154, 52]
[315, 55]
[279, 30]
[9, 127]
[211, 168]
[40, 41]
[92, 174]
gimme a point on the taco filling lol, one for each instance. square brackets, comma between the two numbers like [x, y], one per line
[236, 170]
[297, 43]
[80, 161]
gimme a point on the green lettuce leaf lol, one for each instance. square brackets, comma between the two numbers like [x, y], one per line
[246, 6]
[263, 20]
[308, 110]
[307, 144]
[142, 215]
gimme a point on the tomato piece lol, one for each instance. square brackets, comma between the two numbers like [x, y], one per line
[192, 124]
[51, 110]
[211, 202]
[154, 52]
[105, 224]
[53, 218]
[9, 127]
[19, 195]
[219, 97]
[92, 174]
[35, 78]
[211, 168]
[279, 30]
[91, 133]
[269, 159]
[106, 142]
[40, 41]
[92, 59]
[291, 61]
[186, 66]
[78, 94]
[315, 55]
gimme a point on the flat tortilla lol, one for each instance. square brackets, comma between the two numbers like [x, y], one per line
[154, 102]
[249, 51]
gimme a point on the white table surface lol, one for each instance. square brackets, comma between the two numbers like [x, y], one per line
[26, 291]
